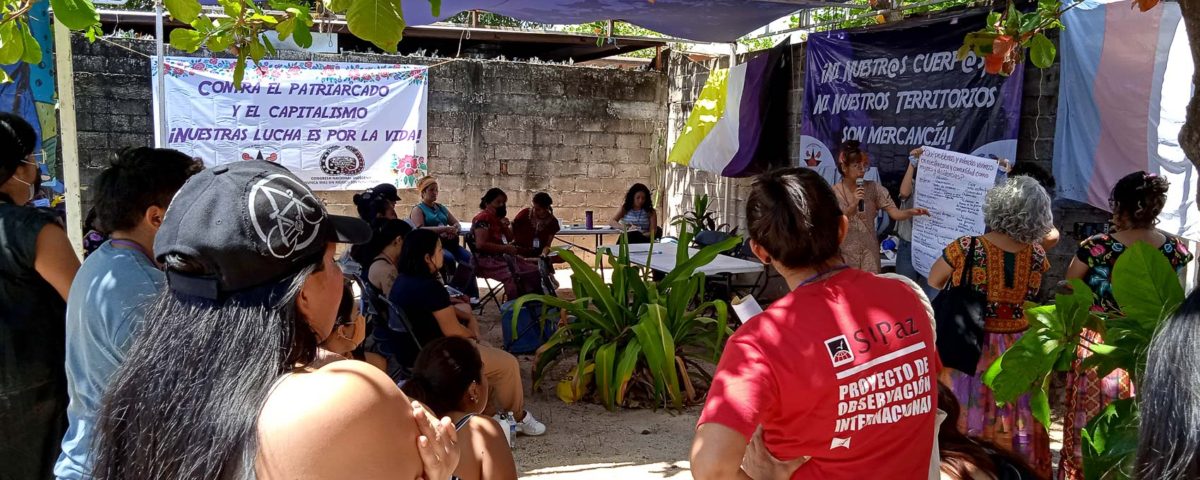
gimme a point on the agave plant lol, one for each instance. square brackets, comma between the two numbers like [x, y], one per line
[701, 219]
[636, 328]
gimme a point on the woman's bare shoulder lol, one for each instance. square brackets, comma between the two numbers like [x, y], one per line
[346, 419]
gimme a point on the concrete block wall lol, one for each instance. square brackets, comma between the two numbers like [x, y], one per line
[583, 134]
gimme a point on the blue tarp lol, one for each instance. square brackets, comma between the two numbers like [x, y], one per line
[701, 20]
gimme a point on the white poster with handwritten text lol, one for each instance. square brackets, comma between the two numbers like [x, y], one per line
[952, 186]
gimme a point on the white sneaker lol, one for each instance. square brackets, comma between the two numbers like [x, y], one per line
[530, 426]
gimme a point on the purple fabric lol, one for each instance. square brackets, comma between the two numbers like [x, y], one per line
[702, 20]
[752, 113]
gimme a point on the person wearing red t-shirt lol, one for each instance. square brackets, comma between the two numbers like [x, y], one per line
[497, 257]
[840, 375]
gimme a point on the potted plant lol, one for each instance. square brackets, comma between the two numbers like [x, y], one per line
[636, 334]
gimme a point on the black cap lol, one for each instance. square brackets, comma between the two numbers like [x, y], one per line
[248, 224]
[387, 191]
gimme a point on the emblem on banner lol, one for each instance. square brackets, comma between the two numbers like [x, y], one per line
[261, 153]
[342, 160]
[839, 350]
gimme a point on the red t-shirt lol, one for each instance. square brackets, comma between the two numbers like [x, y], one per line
[843, 371]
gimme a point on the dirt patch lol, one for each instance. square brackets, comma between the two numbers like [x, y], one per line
[585, 441]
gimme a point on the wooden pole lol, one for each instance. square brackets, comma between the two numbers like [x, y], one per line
[68, 134]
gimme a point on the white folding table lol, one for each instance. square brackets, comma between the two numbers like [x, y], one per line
[664, 260]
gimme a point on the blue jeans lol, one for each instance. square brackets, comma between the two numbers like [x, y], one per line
[905, 267]
[464, 271]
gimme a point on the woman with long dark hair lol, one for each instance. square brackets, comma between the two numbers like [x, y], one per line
[637, 215]
[1169, 400]
[222, 381]
[37, 266]
[421, 295]
[1136, 201]
[449, 379]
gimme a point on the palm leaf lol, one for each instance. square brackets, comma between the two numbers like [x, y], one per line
[659, 348]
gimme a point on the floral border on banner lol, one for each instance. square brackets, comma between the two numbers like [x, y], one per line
[285, 70]
[409, 169]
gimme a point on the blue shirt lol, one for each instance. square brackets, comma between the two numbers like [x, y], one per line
[104, 311]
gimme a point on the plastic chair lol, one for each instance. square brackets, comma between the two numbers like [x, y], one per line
[494, 290]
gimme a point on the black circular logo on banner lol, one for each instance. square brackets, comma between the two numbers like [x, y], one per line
[342, 160]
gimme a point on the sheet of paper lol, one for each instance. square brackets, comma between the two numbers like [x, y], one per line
[952, 186]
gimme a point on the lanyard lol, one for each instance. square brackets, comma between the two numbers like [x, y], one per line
[133, 246]
[816, 277]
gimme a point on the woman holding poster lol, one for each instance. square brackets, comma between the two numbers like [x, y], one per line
[861, 202]
[1006, 264]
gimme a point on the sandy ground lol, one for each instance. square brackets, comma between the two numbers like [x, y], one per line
[584, 441]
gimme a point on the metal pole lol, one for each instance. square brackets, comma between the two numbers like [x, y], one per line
[160, 107]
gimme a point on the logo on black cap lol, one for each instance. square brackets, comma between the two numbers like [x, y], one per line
[285, 214]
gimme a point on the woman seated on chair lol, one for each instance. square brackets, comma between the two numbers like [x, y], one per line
[637, 215]
[534, 228]
[431, 215]
[424, 300]
[497, 258]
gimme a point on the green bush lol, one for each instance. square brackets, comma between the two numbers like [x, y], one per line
[636, 328]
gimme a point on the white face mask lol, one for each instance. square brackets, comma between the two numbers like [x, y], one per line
[32, 188]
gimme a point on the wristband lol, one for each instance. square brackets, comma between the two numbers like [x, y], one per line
[912, 160]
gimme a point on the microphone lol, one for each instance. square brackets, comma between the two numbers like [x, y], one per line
[861, 206]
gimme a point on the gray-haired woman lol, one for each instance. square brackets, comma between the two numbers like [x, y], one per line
[1007, 266]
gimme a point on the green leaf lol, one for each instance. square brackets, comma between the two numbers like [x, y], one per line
[303, 36]
[33, 51]
[1012, 19]
[285, 28]
[1030, 21]
[186, 11]
[218, 42]
[1041, 51]
[993, 18]
[436, 6]
[186, 40]
[659, 348]
[267, 19]
[269, 46]
[1110, 441]
[1145, 285]
[606, 358]
[76, 14]
[338, 6]
[1039, 403]
[625, 368]
[239, 69]
[380, 22]
[12, 44]
[256, 49]
[233, 8]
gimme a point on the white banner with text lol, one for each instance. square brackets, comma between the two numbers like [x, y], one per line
[337, 126]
